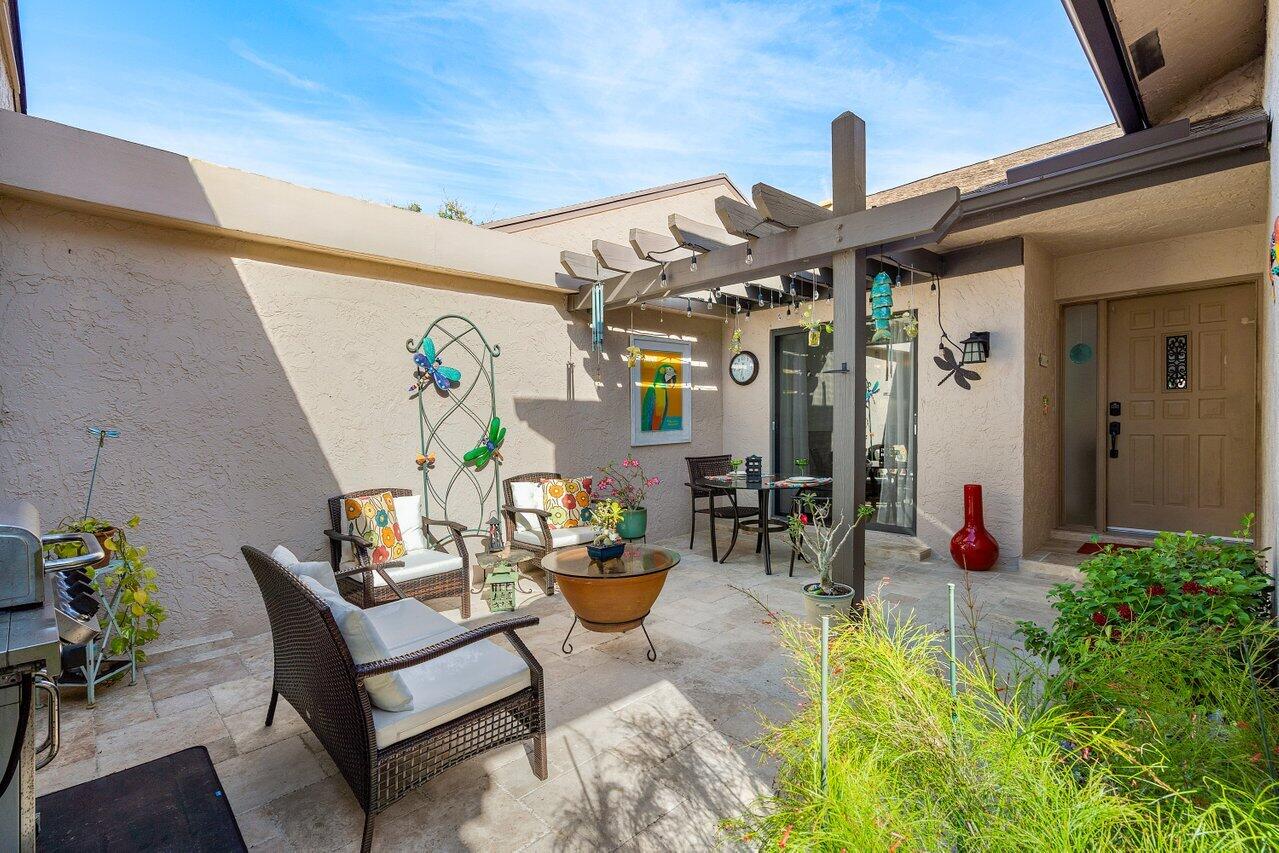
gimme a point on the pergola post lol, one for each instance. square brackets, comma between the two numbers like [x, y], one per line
[848, 433]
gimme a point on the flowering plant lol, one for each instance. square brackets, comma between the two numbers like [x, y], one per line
[813, 536]
[626, 483]
[605, 516]
[1180, 580]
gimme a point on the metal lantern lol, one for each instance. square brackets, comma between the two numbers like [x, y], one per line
[754, 469]
[976, 348]
[501, 584]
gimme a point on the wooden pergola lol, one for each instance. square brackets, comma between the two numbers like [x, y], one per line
[784, 235]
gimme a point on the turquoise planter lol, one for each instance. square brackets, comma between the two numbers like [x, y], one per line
[634, 523]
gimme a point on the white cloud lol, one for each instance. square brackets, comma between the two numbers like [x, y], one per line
[242, 50]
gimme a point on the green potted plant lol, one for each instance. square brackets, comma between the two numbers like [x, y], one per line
[607, 544]
[735, 464]
[99, 528]
[802, 465]
[626, 484]
[813, 535]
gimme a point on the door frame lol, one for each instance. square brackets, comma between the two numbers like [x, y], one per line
[1103, 377]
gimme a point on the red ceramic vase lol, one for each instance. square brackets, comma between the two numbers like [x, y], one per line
[972, 546]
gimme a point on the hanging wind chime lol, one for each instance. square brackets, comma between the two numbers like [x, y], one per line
[881, 307]
[597, 317]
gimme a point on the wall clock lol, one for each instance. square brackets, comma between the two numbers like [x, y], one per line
[744, 367]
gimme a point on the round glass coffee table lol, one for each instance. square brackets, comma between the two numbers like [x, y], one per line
[614, 595]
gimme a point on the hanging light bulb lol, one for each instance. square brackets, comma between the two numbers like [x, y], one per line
[689, 313]
[692, 264]
[792, 284]
[643, 306]
[749, 257]
[663, 275]
[748, 312]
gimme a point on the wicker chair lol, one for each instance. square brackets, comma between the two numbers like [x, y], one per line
[526, 525]
[709, 466]
[315, 672]
[365, 588]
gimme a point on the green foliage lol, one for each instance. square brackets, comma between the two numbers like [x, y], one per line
[605, 516]
[411, 207]
[812, 534]
[138, 614]
[1020, 763]
[451, 208]
[1180, 580]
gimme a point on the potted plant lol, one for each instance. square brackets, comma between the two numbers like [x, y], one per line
[802, 464]
[99, 528]
[607, 543]
[735, 464]
[818, 540]
[626, 484]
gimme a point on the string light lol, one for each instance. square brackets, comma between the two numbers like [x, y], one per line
[692, 263]
[690, 308]
[749, 257]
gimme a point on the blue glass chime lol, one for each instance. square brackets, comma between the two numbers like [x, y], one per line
[881, 306]
[597, 317]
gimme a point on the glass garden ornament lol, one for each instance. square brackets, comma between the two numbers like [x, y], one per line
[881, 306]
[430, 370]
[489, 447]
[632, 355]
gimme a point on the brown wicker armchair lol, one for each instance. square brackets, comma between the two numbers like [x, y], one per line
[315, 672]
[447, 578]
[526, 525]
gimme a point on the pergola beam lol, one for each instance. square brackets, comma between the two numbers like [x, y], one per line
[785, 209]
[744, 221]
[660, 247]
[617, 257]
[585, 267]
[692, 233]
[806, 247]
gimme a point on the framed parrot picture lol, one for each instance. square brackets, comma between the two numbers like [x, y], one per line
[661, 391]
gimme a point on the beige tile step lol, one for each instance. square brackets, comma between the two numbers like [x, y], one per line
[896, 546]
[1057, 558]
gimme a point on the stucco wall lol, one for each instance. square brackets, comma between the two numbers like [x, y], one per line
[1269, 327]
[1041, 413]
[964, 436]
[1203, 258]
[251, 382]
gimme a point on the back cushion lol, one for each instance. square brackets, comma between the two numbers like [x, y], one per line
[408, 511]
[526, 495]
[373, 519]
[319, 570]
[568, 502]
[387, 691]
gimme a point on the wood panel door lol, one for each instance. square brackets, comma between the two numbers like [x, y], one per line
[1182, 368]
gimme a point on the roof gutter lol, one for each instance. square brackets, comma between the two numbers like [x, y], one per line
[1225, 145]
[1094, 23]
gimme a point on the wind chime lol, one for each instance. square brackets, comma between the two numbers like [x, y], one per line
[597, 317]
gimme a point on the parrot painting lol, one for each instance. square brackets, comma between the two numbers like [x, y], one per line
[656, 405]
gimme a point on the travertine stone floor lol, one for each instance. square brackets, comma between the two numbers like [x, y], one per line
[643, 756]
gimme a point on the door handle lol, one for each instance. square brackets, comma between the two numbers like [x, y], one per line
[1114, 439]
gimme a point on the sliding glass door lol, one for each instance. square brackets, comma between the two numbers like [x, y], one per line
[803, 409]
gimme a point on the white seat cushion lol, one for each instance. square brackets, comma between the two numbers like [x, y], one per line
[320, 570]
[389, 690]
[417, 564]
[450, 686]
[564, 537]
[406, 625]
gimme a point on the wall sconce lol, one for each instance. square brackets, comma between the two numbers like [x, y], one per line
[976, 348]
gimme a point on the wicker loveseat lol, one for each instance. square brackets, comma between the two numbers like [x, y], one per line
[427, 571]
[468, 694]
[526, 521]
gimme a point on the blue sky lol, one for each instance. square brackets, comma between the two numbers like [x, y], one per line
[519, 106]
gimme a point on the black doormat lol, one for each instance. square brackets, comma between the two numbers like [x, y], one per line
[173, 803]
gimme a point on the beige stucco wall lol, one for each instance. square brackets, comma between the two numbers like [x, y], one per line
[963, 436]
[1269, 327]
[250, 382]
[1203, 258]
[1041, 412]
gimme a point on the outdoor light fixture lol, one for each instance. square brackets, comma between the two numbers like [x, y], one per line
[692, 264]
[748, 256]
[976, 348]
[690, 308]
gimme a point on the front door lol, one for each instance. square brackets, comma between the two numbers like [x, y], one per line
[1181, 411]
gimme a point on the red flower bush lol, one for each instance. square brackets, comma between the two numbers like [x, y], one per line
[1100, 619]
[1125, 612]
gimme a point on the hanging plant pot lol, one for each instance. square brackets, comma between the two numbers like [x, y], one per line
[818, 604]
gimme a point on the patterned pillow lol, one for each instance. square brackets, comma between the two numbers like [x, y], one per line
[373, 519]
[568, 502]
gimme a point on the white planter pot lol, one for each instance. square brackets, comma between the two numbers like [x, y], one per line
[817, 605]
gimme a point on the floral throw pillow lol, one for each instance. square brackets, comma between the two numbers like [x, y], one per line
[373, 519]
[568, 502]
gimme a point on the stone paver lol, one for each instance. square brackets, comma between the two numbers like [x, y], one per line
[642, 756]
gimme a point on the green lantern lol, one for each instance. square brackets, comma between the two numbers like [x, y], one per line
[501, 584]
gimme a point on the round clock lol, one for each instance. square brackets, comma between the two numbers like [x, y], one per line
[744, 367]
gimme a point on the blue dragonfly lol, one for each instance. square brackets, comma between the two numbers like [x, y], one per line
[430, 370]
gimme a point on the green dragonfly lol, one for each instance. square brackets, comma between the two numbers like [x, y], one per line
[488, 448]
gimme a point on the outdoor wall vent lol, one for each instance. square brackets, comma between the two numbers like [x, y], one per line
[1147, 55]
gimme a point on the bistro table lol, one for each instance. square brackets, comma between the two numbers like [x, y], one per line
[613, 595]
[765, 487]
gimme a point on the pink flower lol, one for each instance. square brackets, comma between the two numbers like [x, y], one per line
[652, 481]
[628, 462]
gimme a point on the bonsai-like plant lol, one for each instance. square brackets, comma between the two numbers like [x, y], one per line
[815, 327]
[138, 614]
[736, 463]
[802, 464]
[818, 540]
[605, 516]
[625, 483]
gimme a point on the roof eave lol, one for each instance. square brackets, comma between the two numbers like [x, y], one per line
[1094, 23]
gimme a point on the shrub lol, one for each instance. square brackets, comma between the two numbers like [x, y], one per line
[1020, 763]
[1180, 580]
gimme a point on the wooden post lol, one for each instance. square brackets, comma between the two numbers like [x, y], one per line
[848, 434]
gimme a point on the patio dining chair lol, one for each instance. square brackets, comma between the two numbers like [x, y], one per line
[426, 570]
[710, 466]
[460, 695]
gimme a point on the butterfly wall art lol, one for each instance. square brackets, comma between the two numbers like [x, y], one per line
[431, 371]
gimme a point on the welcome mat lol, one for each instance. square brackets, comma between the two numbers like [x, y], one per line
[173, 803]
